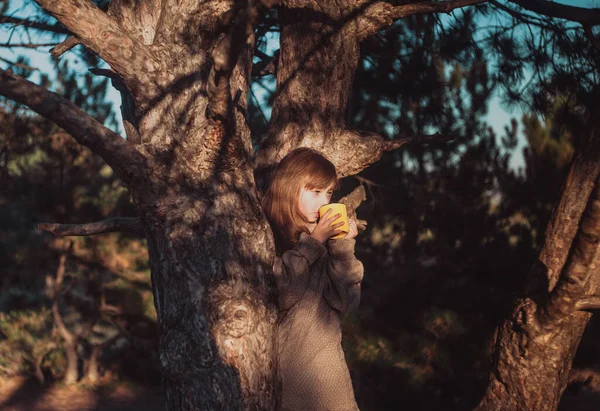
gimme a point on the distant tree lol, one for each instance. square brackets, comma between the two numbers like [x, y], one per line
[47, 176]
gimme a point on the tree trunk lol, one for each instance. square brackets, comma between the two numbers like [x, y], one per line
[210, 246]
[183, 68]
[317, 62]
[92, 373]
[534, 349]
[72, 369]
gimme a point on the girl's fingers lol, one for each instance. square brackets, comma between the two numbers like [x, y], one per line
[341, 223]
[333, 218]
[324, 217]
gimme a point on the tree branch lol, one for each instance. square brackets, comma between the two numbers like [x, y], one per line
[375, 16]
[524, 18]
[568, 295]
[20, 65]
[122, 224]
[65, 46]
[352, 152]
[130, 122]
[38, 25]
[592, 38]
[27, 45]
[589, 303]
[127, 162]
[585, 16]
[268, 65]
[226, 53]
[104, 36]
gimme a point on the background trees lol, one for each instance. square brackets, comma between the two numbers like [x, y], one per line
[453, 229]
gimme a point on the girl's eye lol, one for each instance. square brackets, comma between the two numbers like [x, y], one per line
[330, 193]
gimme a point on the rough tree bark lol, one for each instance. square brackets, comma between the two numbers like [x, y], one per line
[534, 348]
[183, 69]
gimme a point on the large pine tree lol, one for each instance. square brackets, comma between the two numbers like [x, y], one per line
[183, 68]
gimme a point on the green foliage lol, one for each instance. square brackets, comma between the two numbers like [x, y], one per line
[26, 336]
[47, 177]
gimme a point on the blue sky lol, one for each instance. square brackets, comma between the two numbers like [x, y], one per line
[498, 115]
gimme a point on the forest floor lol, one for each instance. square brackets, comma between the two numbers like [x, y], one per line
[19, 394]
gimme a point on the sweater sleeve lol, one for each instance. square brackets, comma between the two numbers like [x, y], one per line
[292, 269]
[345, 273]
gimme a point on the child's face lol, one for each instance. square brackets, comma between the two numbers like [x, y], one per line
[311, 200]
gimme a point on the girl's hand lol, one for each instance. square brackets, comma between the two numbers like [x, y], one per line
[324, 230]
[353, 229]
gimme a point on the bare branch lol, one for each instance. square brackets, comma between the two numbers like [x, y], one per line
[20, 65]
[27, 45]
[127, 162]
[38, 25]
[589, 303]
[65, 46]
[353, 200]
[592, 37]
[585, 16]
[104, 36]
[522, 17]
[122, 224]
[375, 16]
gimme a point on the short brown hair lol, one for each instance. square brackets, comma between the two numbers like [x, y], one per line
[301, 168]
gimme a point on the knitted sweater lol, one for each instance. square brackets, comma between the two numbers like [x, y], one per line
[316, 284]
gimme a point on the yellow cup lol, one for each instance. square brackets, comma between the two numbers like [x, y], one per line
[337, 208]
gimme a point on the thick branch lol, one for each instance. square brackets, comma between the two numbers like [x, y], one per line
[38, 25]
[104, 36]
[352, 152]
[375, 16]
[589, 303]
[585, 16]
[127, 162]
[579, 266]
[352, 201]
[122, 224]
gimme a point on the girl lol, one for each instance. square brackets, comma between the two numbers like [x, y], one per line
[318, 279]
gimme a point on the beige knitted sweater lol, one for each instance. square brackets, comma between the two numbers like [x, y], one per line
[316, 284]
